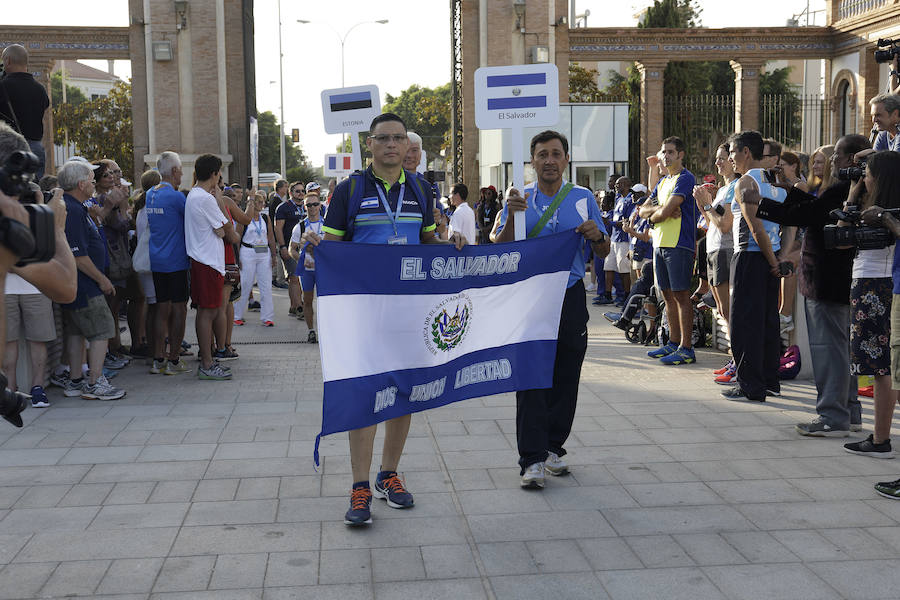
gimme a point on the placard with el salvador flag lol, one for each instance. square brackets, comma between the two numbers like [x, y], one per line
[403, 329]
[516, 96]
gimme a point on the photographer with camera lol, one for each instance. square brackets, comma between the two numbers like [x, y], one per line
[23, 101]
[878, 184]
[825, 275]
[33, 246]
[886, 122]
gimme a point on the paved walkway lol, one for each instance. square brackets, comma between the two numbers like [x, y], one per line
[189, 489]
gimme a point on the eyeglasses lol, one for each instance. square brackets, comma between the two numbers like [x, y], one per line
[383, 138]
[313, 204]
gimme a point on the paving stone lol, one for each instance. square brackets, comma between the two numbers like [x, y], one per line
[216, 490]
[10, 544]
[773, 582]
[238, 539]
[231, 513]
[301, 486]
[506, 558]
[86, 494]
[130, 493]
[345, 566]
[759, 547]
[97, 544]
[130, 575]
[185, 573]
[685, 519]
[395, 531]
[672, 584]
[449, 561]
[446, 588]
[233, 571]
[659, 551]
[173, 491]
[10, 495]
[807, 515]
[32, 520]
[209, 595]
[160, 471]
[673, 494]
[42, 496]
[130, 516]
[810, 546]
[573, 586]
[769, 490]
[255, 488]
[557, 556]
[709, 549]
[564, 525]
[397, 564]
[176, 452]
[99, 455]
[78, 578]
[292, 569]
[24, 581]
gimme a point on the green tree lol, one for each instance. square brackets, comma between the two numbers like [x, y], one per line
[582, 84]
[780, 107]
[73, 94]
[295, 161]
[100, 128]
[425, 111]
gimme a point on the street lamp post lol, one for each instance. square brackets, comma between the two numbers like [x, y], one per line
[343, 39]
[281, 91]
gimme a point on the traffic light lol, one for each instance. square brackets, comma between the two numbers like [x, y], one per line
[295, 135]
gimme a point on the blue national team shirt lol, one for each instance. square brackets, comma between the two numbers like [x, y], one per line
[639, 248]
[743, 239]
[372, 225]
[165, 218]
[84, 240]
[578, 207]
[622, 212]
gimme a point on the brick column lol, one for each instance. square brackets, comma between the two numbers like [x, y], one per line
[746, 94]
[652, 79]
[41, 70]
[867, 89]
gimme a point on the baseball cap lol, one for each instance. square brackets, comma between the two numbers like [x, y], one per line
[85, 161]
[640, 187]
[312, 186]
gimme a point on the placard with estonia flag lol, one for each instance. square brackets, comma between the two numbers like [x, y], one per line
[350, 110]
[406, 328]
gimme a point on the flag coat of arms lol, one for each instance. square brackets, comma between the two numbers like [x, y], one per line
[407, 328]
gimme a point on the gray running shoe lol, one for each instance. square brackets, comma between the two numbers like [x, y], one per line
[101, 390]
[819, 428]
[214, 373]
[533, 478]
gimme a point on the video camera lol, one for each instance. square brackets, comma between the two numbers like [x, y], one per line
[11, 403]
[37, 241]
[857, 235]
[853, 173]
[893, 49]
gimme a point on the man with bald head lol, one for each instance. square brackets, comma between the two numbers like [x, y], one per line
[23, 100]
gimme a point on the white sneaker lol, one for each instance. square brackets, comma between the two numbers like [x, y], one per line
[591, 287]
[555, 465]
[534, 477]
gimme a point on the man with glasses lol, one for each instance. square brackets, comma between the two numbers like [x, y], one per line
[398, 198]
[771, 153]
[303, 255]
[287, 215]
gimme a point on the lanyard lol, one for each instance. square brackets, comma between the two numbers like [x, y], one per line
[258, 223]
[387, 207]
[555, 202]
[315, 225]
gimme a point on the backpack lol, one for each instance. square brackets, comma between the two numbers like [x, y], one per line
[358, 186]
[789, 365]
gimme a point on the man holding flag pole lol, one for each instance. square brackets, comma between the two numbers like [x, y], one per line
[544, 416]
[384, 204]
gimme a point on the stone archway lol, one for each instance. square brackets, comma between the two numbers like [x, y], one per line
[844, 94]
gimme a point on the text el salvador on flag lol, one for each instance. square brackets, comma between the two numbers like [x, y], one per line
[408, 328]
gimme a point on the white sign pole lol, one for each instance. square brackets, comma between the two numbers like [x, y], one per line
[356, 159]
[515, 97]
[518, 169]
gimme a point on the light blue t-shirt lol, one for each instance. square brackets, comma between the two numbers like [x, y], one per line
[578, 206]
[165, 219]
[743, 239]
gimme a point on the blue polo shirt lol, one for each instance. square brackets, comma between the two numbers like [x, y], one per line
[577, 207]
[165, 218]
[371, 225]
[639, 248]
[84, 240]
[622, 212]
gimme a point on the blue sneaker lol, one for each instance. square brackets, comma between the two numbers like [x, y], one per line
[109, 373]
[39, 397]
[360, 501]
[663, 351]
[389, 487]
[682, 356]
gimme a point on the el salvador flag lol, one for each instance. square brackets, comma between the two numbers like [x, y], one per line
[407, 328]
[522, 90]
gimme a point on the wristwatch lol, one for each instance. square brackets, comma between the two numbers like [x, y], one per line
[707, 207]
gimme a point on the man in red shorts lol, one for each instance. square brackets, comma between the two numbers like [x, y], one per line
[205, 226]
